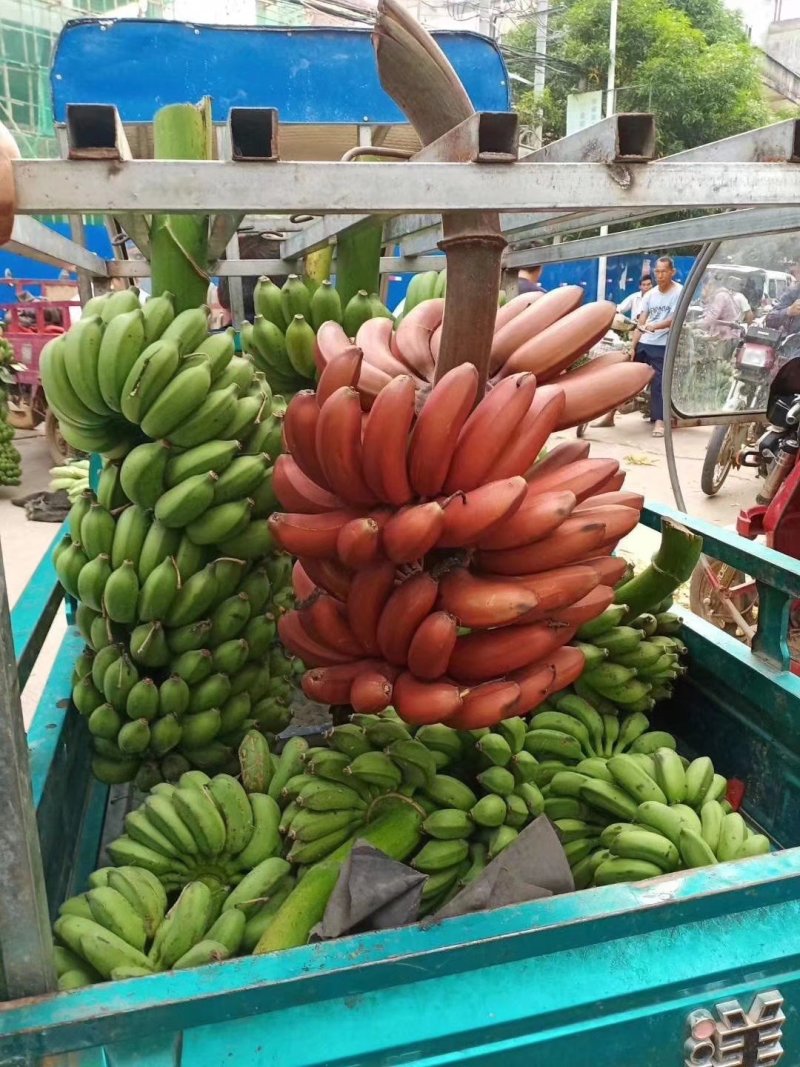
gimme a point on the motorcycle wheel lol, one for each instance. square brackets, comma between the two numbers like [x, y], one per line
[709, 591]
[57, 446]
[720, 454]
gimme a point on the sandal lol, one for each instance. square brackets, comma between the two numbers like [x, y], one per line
[658, 432]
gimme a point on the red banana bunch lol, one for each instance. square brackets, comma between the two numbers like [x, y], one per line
[536, 333]
[440, 568]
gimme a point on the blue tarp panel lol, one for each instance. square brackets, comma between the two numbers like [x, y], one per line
[310, 75]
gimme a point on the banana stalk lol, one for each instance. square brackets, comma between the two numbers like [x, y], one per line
[421, 81]
[317, 266]
[358, 259]
[672, 565]
[179, 243]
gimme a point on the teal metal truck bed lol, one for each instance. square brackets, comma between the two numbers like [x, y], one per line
[631, 975]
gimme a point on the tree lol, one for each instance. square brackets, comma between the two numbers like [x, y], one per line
[687, 61]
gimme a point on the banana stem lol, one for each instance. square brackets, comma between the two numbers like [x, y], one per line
[671, 566]
[358, 260]
[179, 243]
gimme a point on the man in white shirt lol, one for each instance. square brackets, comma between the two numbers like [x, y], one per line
[655, 320]
[740, 300]
[630, 306]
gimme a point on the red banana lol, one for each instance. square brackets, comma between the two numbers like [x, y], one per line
[488, 654]
[422, 703]
[513, 307]
[559, 456]
[557, 347]
[374, 339]
[487, 432]
[587, 608]
[469, 517]
[299, 434]
[573, 538]
[433, 439]
[487, 704]
[369, 591]
[549, 676]
[297, 639]
[581, 478]
[359, 543]
[343, 369]
[436, 343]
[302, 585]
[313, 536]
[618, 520]
[296, 491]
[412, 339]
[432, 645]
[331, 685]
[328, 575]
[370, 382]
[338, 446]
[480, 602]
[532, 433]
[612, 484]
[331, 342]
[413, 531]
[538, 516]
[608, 359]
[622, 498]
[609, 569]
[325, 619]
[557, 588]
[371, 691]
[549, 309]
[593, 394]
[403, 612]
[386, 440]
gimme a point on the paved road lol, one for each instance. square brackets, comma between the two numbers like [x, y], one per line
[24, 543]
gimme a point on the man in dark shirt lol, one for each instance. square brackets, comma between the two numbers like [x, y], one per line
[528, 280]
[785, 315]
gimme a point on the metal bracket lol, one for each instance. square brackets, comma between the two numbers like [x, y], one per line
[253, 134]
[484, 137]
[94, 131]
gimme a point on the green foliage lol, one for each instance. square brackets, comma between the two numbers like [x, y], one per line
[688, 61]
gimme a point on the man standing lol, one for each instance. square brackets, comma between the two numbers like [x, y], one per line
[630, 306]
[655, 320]
[528, 280]
[740, 300]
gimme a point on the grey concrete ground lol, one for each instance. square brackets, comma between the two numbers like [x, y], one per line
[642, 456]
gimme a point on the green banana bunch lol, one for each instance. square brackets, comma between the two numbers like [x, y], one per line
[73, 478]
[281, 341]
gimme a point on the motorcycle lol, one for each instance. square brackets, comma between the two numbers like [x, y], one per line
[754, 360]
[721, 594]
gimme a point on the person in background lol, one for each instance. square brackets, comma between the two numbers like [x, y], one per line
[528, 280]
[630, 306]
[740, 300]
[655, 321]
[721, 310]
[785, 315]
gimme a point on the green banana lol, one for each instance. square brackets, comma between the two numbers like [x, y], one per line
[110, 493]
[497, 780]
[653, 740]
[229, 929]
[619, 640]
[356, 313]
[634, 779]
[636, 844]
[265, 841]
[188, 329]
[61, 396]
[173, 696]
[670, 775]
[158, 313]
[81, 350]
[565, 724]
[208, 420]
[179, 399]
[165, 734]
[711, 816]
[184, 925]
[158, 591]
[186, 501]
[129, 535]
[699, 777]
[142, 473]
[101, 948]
[434, 856]
[755, 845]
[114, 912]
[732, 836]
[553, 744]
[695, 852]
[300, 346]
[618, 869]
[97, 531]
[148, 378]
[220, 349]
[193, 599]
[501, 838]
[415, 761]
[608, 798]
[450, 792]
[610, 618]
[122, 343]
[325, 305]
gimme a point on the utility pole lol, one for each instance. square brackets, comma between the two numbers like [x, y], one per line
[542, 7]
[611, 81]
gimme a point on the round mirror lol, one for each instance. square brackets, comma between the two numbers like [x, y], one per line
[739, 321]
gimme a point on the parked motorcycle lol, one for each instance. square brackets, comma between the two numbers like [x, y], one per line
[727, 597]
[754, 360]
